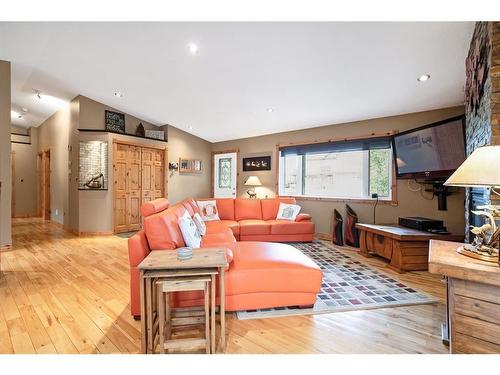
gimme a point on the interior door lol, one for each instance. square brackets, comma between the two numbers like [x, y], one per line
[225, 175]
[134, 191]
[159, 183]
[120, 174]
[148, 174]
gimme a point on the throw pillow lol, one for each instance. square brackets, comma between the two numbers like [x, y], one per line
[288, 212]
[189, 231]
[200, 224]
[208, 210]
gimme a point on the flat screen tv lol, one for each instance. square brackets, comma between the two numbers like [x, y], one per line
[431, 152]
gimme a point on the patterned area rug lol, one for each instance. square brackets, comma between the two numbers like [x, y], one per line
[347, 285]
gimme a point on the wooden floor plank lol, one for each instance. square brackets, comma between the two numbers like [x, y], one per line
[68, 294]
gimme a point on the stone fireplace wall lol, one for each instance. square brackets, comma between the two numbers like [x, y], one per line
[482, 103]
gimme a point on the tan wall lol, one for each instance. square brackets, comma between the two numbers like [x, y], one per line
[53, 135]
[185, 145]
[92, 116]
[5, 149]
[25, 174]
[410, 203]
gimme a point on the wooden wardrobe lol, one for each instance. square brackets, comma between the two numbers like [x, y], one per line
[139, 176]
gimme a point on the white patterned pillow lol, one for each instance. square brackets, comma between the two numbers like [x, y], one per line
[288, 211]
[200, 224]
[189, 231]
[208, 210]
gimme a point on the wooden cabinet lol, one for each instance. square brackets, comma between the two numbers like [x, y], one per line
[473, 298]
[407, 249]
[139, 177]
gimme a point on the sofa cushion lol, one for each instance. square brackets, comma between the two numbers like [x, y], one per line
[291, 227]
[189, 230]
[270, 206]
[288, 211]
[252, 226]
[218, 239]
[225, 206]
[185, 203]
[208, 210]
[154, 206]
[221, 225]
[162, 229]
[200, 224]
[260, 267]
[247, 209]
[303, 217]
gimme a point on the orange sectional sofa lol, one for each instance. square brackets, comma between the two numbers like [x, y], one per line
[260, 274]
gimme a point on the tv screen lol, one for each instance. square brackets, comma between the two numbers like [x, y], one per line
[432, 151]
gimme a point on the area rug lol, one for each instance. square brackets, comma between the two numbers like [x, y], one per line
[347, 285]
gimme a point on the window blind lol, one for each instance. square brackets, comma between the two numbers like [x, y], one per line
[378, 143]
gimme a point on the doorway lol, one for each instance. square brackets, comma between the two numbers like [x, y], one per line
[44, 184]
[225, 174]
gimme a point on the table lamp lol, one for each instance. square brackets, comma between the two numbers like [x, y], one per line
[481, 169]
[252, 181]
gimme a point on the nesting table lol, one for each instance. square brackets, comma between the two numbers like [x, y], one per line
[163, 264]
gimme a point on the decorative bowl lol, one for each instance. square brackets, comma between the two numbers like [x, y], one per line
[184, 253]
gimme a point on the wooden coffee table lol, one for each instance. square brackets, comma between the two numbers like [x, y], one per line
[406, 248]
[162, 264]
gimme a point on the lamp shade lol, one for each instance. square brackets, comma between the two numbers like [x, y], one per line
[481, 168]
[253, 181]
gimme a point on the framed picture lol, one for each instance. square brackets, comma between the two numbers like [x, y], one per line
[258, 163]
[114, 121]
[189, 165]
[157, 134]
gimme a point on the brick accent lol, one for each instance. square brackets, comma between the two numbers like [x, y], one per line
[482, 118]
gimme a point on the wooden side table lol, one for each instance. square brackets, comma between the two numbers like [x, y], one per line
[164, 264]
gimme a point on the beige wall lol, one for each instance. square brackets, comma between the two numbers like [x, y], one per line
[410, 203]
[25, 173]
[5, 149]
[53, 135]
[185, 145]
[92, 116]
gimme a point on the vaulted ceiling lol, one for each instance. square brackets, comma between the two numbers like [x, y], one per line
[245, 79]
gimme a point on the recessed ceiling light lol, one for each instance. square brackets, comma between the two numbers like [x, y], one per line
[25, 110]
[423, 77]
[190, 127]
[193, 48]
[16, 114]
[118, 94]
[270, 109]
[38, 94]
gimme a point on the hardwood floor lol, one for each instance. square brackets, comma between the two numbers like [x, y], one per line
[60, 293]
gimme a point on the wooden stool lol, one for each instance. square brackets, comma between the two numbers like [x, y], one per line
[183, 284]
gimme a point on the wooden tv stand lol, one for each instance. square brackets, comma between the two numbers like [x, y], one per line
[407, 249]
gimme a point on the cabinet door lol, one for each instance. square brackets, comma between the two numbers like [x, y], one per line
[134, 192]
[120, 175]
[148, 174]
[159, 165]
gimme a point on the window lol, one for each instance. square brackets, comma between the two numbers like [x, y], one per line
[343, 170]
